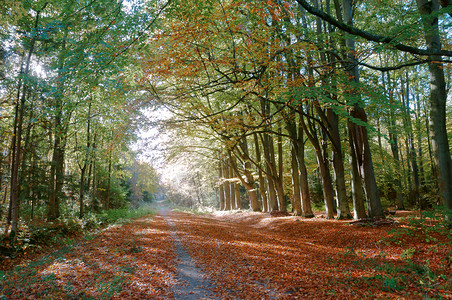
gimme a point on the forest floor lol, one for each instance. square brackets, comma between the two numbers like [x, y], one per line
[243, 255]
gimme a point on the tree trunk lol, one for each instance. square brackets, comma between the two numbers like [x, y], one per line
[296, 202]
[238, 200]
[85, 162]
[357, 186]
[13, 214]
[420, 153]
[221, 185]
[262, 183]
[359, 132]
[14, 195]
[343, 209]
[53, 212]
[280, 175]
[82, 192]
[107, 200]
[327, 186]
[414, 193]
[249, 183]
[227, 187]
[293, 134]
[267, 145]
[60, 131]
[438, 99]
[394, 143]
[56, 181]
[232, 183]
[304, 185]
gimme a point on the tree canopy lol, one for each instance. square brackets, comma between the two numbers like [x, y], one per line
[339, 106]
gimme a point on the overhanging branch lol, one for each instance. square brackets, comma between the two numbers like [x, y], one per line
[370, 36]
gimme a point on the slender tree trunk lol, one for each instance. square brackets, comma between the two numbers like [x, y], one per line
[227, 186]
[262, 182]
[343, 209]
[14, 205]
[304, 185]
[415, 197]
[232, 183]
[420, 153]
[275, 176]
[91, 172]
[238, 200]
[296, 202]
[434, 174]
[280, 184]
[18, 123]
[26, 153]
[221, 185]
[359, 133]
[394, 144]
[267, 143]
[233, 188]
[269, 158]
[359, 211]
[108, 200]
[82, 192]
[53, 212]
[85, 162]
[16, 150]
[324, 172]
[296, 189]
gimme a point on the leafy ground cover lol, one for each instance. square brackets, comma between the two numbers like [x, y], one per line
[37, 237]
[134, 261]
[247, 256]
[254, 256]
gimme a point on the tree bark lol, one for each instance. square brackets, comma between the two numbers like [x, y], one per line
[280, 175]
[411, 153]
[227, 187]
[249, 183]
[357, 186]
[221, 185]
[304, 185]
[358, 131]
[296, 202]
[107, 200]
[267, 145]
[343, 209]
[420, 153]
[327, 186]
[85, 163]
[394, 144]
[438, 99]
[17, 139]
[262, 181]
[60, 132]
[232, 183]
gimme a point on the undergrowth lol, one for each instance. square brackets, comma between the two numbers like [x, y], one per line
[417, 237]
[429, 228]
[38, 234]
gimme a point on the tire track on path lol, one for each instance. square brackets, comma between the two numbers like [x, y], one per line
[193, 283]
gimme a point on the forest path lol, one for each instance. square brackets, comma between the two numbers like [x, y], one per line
[245, 255]
[139, 260]
[191, 282]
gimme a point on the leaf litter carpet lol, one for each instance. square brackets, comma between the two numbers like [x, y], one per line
[236, 256]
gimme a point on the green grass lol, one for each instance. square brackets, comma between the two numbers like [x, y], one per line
[124, 215]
